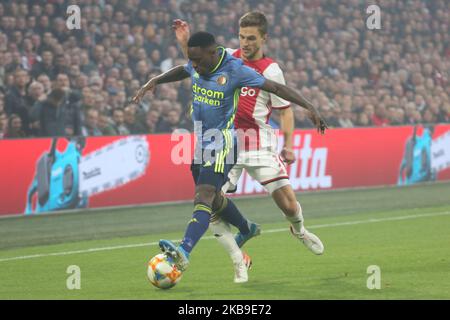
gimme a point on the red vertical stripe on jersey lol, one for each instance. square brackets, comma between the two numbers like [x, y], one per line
[245, 119]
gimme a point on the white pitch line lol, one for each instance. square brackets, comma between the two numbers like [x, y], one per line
[318, 226]
[350, 223]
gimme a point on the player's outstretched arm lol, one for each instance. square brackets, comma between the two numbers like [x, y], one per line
[177, 73]
[291, 95]
[182, 34]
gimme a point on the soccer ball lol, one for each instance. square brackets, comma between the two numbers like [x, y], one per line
[162, 272]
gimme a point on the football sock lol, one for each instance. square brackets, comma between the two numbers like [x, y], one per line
[223, 234]
[231, 214]
[297, 220]
[196, 227]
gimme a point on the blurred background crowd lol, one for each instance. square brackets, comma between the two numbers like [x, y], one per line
[60, 82]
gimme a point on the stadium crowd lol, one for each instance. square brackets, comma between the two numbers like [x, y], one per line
[55, 81]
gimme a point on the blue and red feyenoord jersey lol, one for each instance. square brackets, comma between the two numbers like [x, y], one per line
[215, 98]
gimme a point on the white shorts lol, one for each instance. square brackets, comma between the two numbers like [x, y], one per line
[266, 167]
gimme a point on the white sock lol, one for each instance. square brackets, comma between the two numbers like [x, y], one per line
[297, 220]
[223, 234]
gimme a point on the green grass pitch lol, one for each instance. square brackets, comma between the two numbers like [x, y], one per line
[404, 231]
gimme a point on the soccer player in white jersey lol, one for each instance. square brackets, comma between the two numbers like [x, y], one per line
[258, 144]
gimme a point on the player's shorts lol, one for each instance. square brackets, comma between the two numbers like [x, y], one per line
[266, 167]
[214, 173]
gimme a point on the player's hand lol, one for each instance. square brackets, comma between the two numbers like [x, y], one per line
[318, 121]
[149, 86]
[182, 31]
[288, 155]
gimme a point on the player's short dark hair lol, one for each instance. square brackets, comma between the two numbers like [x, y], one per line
[201, 39]
[254, 19]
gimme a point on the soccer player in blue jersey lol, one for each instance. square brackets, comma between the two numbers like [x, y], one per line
[217, 78]
[258, 155]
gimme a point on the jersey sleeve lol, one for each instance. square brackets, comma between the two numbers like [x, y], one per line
[188, 67]
[274, 73]
[247, 77]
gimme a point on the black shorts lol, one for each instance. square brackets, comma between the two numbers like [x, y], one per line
[213, 173]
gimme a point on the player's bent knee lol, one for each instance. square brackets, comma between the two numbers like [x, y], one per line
[218, 201]
[286, 201]
[205, 194]
[290, 208]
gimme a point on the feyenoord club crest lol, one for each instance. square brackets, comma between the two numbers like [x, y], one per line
[221, 80]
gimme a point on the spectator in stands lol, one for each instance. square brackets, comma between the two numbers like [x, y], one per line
[444, 113]
[169, 62]
[119, 126]
[329, 117]
[379, 118]
[345, 119]
[325, 50]
[72, 113]
[301, 119]
[2, 100]
[87, 99]
[36, 95]
[16, 100]
[2, 106]
[2, 65]
[142, 71]
[35, 92]
[105, 125]
[428, 117]
[399, 117]
[131, 122]
[3, 124]
[16, 60]
[90, 126]
[62, 82]
[101, 105]
[52, 114]
[87, 66]
[170, 123]
[45, 80]
[44, 66]
[14, 128]
[151, 121]
[363, 120]
[98, 55]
